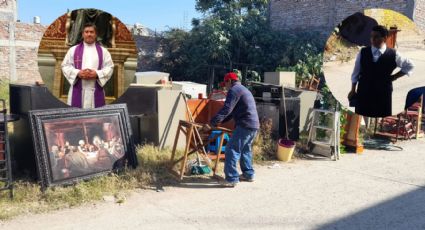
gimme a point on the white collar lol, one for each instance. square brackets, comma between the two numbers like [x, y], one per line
[90, 45]
[381, 50]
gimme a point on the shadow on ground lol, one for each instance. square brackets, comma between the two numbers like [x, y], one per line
[403, 212]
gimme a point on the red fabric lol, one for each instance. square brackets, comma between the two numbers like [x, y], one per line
[60, 139]
[230, 76]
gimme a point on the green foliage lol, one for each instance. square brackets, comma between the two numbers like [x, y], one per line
[174, 52]
[343, 122]
[308, 56]
[235, 34]
[4, 90]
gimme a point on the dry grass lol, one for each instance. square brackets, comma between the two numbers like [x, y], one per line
[29, 198]
[4, 91]
[264, 147]
[339, 49]
[151, 173]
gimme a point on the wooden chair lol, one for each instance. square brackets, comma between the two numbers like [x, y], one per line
[194, 143]
[310, 84]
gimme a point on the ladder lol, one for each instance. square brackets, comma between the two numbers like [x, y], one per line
[5, 162]
[324, 134]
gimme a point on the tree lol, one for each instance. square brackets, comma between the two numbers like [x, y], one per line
[232, 34]
[174, 53]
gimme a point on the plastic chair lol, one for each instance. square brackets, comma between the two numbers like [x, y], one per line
[213, 145]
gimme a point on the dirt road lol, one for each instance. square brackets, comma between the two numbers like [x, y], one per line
[376, 190]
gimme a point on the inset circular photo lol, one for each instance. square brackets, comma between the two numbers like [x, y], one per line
[87, 58]
[374, 61]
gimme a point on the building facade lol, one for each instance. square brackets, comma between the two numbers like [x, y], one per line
[18, 45]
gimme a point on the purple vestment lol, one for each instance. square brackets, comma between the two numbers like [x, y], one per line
[99, 94]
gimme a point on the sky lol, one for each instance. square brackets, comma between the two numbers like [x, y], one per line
[159, 15]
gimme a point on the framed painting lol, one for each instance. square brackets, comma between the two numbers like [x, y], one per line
[73, 144]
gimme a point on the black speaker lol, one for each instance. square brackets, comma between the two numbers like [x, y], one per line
[24, 98]
[139, 100]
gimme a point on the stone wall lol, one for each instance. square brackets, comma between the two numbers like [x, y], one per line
[324, 15]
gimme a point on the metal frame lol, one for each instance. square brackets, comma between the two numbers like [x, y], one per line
[37, 119]
[5, 165]
[334, 140]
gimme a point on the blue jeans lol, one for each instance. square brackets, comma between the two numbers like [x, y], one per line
[238, 148]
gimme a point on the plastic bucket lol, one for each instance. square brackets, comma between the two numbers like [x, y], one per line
[285, 149]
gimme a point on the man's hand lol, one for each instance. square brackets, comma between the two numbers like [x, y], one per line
[87, 74]
[206, 128]
[397, 75]
[83, 74]
[351, 94]
[92, 74]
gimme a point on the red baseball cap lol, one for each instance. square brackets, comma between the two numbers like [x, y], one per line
[231, 76]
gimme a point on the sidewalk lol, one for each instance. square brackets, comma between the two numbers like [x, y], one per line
[375, 190]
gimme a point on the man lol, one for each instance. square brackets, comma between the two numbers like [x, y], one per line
[76, 164]
[239, 105]
[82, 146]
[87, 67]
[54, 155]
[372, 75]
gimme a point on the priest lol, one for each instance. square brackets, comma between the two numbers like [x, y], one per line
[87, 66]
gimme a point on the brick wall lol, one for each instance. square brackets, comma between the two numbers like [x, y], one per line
[324, 15]
[4, 30]
[26, 64]
[4, 62]
[19, 56]
[29, 32]
[8, 10]
[419, 14]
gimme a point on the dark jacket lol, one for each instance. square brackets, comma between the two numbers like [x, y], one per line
[375, 84]
[239, 105]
